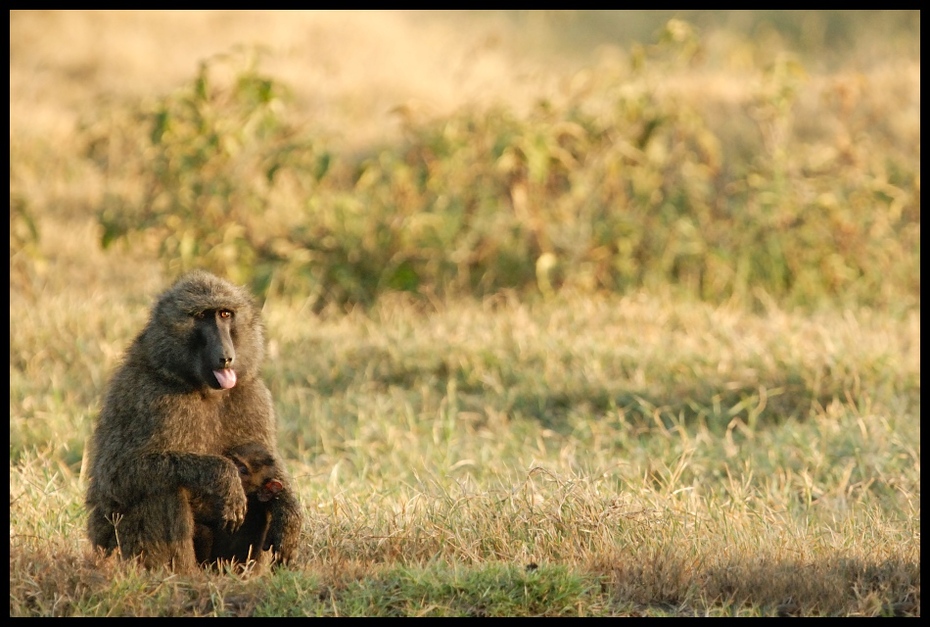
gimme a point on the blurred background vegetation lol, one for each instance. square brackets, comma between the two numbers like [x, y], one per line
[743, 155]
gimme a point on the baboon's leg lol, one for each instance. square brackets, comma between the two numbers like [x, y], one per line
[161, 530]
[204, 543]
[101, 531]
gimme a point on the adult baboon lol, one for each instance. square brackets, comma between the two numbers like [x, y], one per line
[262, 481]
[188, 391]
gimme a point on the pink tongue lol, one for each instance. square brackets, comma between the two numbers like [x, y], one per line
[226, 377]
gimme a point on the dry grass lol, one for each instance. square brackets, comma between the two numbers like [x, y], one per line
[433, 446]
[637, 454]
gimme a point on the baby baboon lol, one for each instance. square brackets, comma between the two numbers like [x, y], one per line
[262, 482]
[187, 392]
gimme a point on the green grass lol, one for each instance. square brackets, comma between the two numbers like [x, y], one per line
[705, 401]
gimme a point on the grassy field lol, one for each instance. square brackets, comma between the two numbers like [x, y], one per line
[541, 411]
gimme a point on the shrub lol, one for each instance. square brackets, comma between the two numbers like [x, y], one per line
[625, 183]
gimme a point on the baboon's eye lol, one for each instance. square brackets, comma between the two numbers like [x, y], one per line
[243, 470]
[199, 315]
[226, 313]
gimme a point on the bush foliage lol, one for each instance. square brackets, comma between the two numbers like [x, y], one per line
[620, 184]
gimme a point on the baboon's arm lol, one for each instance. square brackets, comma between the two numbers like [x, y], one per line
[210, 477]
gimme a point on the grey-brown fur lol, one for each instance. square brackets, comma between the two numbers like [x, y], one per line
[263, 482]
[157, 467]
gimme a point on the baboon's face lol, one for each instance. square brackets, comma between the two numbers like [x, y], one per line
[248, 474]
[257, 470]
[212, 344]
[206, 331]
[209, 338]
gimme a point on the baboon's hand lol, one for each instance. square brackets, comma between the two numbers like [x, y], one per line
[233, 499]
